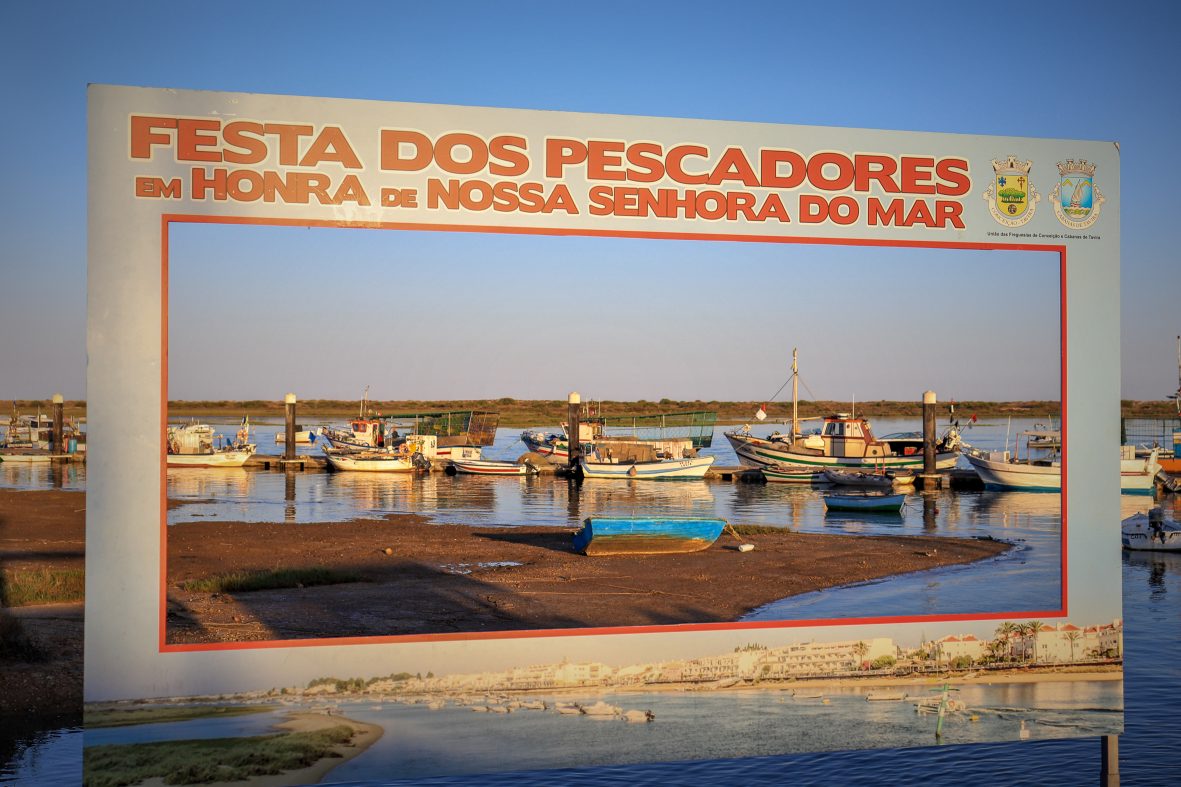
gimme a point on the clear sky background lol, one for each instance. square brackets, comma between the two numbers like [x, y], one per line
[1082, 71]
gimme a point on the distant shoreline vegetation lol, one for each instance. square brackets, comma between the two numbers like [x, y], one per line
[537, 412]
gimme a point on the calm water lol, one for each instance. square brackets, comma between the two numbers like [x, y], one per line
[1152, 691]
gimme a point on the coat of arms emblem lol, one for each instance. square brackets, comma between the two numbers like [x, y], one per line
[1076, 198]
[1011, 198]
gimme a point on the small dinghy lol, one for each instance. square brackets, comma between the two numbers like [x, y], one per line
[1151, 532]
[891, 503]
[631, 536]
[490, 467]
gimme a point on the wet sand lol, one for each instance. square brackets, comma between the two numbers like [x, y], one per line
[453, 579]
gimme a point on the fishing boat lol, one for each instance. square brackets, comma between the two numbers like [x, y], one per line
[302, 436]
[693, 467]
[674, 434]
[1041, 467]
[373, 461]
[637, 536]
[864, 502]
[29, 438]
[883, 480]
[885, 696]
[843, 442]
[549, 445]
[793, 474]
[1151, 532]
[195, 445]
[491, 467]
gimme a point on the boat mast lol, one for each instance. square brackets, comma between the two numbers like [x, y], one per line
[795, 391]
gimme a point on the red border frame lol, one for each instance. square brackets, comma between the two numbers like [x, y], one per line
[169, 218]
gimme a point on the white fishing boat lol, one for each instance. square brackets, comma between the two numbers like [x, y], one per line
[29, 438]
[549, 445]
[404, 458]
[359, 433]
[843, 442]
[1041, 467]
[1151, 532]
[694, 467]
[195, 445]
[491, 467]
[302, 436]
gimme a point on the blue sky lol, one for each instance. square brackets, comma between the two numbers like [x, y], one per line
[920, 66]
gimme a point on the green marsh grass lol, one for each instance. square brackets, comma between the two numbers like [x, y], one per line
[208, 761]
[21, 588]
[245, 581]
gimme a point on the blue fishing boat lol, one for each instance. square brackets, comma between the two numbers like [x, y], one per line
[631, 536]
[864, 502]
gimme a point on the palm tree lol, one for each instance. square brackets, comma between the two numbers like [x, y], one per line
[861, 649]
[1005, 632]
[1072, 637]
[1031, 629]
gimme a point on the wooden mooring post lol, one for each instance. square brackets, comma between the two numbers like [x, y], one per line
[930, 477]
[289, 434]
[59, 422]
[1109, 768]
[574, 429]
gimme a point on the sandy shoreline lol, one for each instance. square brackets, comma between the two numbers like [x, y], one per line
[425, 578]
[307, 721]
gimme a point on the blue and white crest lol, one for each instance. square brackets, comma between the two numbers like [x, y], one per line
[1076, 198]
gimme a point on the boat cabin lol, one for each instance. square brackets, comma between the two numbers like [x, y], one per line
[845, 436]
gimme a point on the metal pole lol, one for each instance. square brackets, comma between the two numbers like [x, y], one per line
[1109, 774]
[289, 434]
[574, 437]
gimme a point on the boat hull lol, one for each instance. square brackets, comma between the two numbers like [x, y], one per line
[892, 503]
[793, 475]
[1138, 535]
[628, 536]
[488, 467]
[859, 479]
[757, 452]
[17, 455]
[371, 464]
[216, 459]
[1136, 476]
[664, 469]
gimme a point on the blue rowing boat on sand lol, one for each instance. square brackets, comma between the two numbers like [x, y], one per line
[631, 536]
[864, 502]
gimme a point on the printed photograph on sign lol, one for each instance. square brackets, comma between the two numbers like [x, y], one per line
[438, 499]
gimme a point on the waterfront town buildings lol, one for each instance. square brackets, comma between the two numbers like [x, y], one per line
[1031, 643]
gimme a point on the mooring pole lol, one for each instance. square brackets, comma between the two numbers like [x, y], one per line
[1109, 775]
[574, 429]
[930, 477]
[289, 435]
[59, 422]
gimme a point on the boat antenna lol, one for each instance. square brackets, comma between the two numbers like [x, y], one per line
[364, 400]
